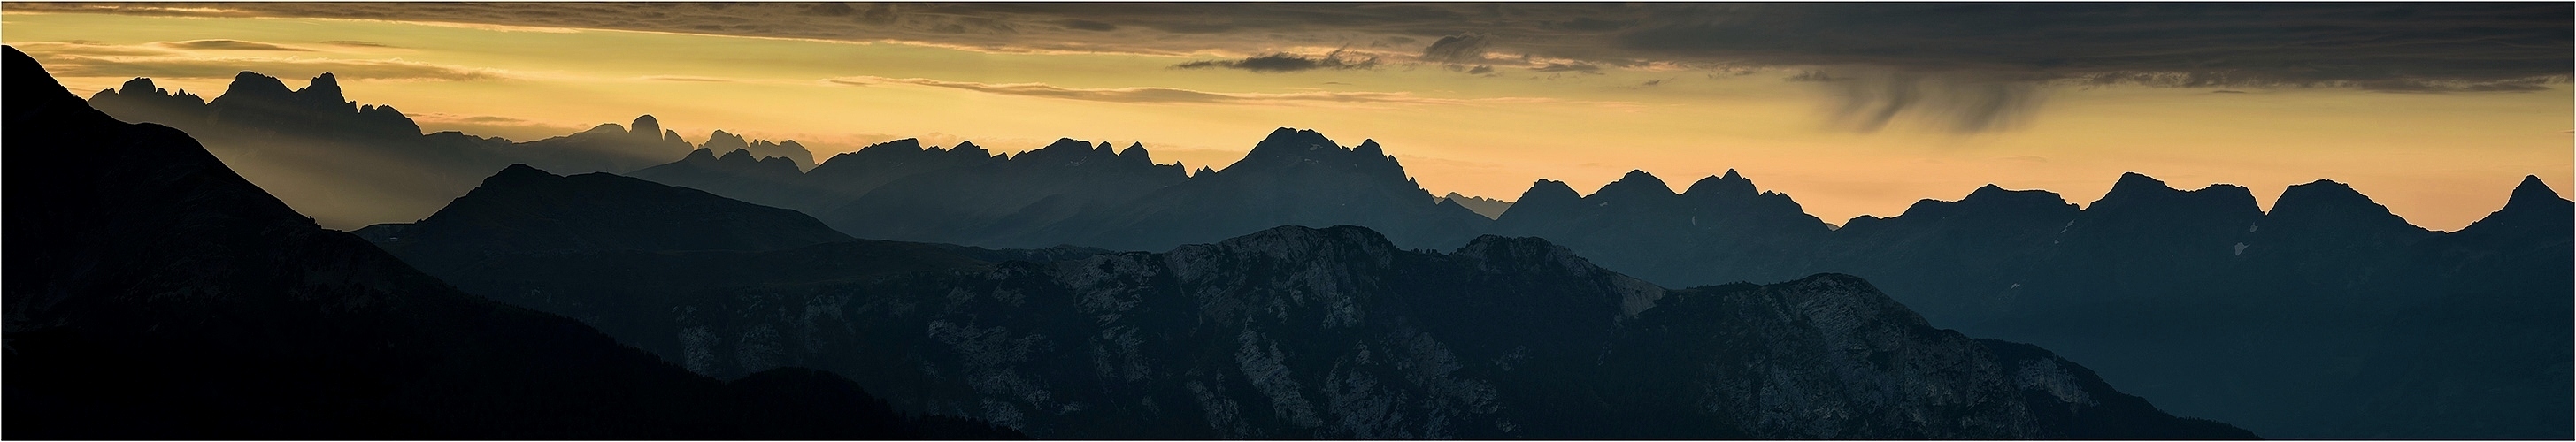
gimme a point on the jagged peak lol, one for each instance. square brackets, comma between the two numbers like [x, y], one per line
[701, 154]
[672, 136]
[646, 124]
[605, 128]
[743, 155]
[1106, 148]
[1204, 171]
[1731, 175]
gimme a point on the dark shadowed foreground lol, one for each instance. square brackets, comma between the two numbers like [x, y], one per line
[155, 294]
[1289, 332]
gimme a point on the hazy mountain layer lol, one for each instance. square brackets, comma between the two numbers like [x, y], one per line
[155, 294]
[1295, 332]
[350, 165]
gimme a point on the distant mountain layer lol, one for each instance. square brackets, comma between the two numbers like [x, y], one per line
[1296, 332]
[2196, 296]
[1490, 208]
[524, 209]
[155, 294]
[351, 165]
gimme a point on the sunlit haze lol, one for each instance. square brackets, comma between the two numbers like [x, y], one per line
[1486, 123]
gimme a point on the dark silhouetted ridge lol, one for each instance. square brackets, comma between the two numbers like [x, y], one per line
[155, 294]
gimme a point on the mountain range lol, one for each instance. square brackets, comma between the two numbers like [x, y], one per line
[1289, 332]
[352, 165]
[2326, 317]
[156, 294]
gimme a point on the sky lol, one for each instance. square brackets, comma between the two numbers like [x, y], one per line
[2435, 110]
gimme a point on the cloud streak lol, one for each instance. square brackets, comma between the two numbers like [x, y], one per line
[1164, 95]
[1286, 62]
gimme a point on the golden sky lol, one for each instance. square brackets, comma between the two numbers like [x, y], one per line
[2440, 157]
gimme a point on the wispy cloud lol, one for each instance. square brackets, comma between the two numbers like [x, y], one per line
[1286, 62]
[1177, 95]
[185, 66]
[686, 78]
[227, 45]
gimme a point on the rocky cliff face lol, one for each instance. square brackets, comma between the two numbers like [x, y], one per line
[1298, 332]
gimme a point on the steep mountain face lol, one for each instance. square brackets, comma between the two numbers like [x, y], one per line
[155, 294]
[351, 165]
[1293, 177]
[1008, 203]
[1296, 332]
[523, 209]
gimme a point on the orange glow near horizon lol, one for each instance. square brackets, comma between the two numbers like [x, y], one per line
[2442, 160]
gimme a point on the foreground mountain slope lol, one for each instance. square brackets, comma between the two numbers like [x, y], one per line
[155, 294]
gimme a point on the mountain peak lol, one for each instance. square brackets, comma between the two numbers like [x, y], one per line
[517, 175]
[2532, 191]
[1731, 185]
[2133, 181]
[139, 85]
[646, 124]
[326, 87]
[723, 141]
[1547, 190]
[1369, 147]
[1635, 182]
[702, 154]
[743, 155]
[1135, 153]
[1286, 140]
[1731, 175]
[252, 83]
